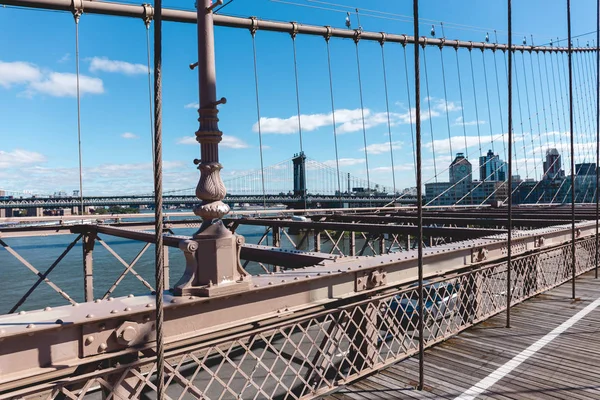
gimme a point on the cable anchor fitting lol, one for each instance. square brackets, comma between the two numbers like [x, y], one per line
[294, 30]
[442, 42]
[254, 26]
[148, 14]
[77, 9]
[327, 35]
[404, 40]
[383, 38]
[357, 33]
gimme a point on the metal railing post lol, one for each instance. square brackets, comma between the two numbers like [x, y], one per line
[89, 240]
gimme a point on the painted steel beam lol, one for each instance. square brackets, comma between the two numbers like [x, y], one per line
[87, 333]
[142, 12]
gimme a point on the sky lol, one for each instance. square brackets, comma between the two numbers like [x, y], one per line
[38, 133]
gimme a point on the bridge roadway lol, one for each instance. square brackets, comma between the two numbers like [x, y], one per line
[550, 352]
[90, 201]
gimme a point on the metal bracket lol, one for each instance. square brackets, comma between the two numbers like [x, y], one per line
[539, 242]
[148, 14]
[478, 255]
[366, 280]
[114, 335]
[254, 26]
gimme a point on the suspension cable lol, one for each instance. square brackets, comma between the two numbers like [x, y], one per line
[446, 102]
[76, 15]
[387, 108]
[487, 96]
[293, 35]
[429, 109]
[147, 22]
[462, 105]
[410, 118]
[475, 99]
[591, 104]
[337, 159]
[158, 201]
[262, 166]
[516, 75]
[586, 124]
[362, 112]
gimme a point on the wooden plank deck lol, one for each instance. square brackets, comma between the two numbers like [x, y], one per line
[568, 367]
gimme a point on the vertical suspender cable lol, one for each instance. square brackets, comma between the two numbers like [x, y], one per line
[435, 173]
[597, 129]
[147, 23]
[76, 15]
[412, 134]
[510, 148]
[337, 159]
[298, 103]
[462, 105]
[475, 100]
[446, 102]
[387, 108]
[362, 112]
[572, 147]
[158, 200]
[487, 96]
[419, 192]
[262, 167]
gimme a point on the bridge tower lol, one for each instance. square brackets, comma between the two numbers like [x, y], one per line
[299, 162]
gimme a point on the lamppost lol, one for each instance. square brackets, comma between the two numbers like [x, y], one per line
[212, 255]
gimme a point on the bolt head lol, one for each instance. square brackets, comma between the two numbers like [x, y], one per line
[128, 334]
[89, 340]
[103, 347]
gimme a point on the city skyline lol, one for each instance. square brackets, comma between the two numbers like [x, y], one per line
[37, 79]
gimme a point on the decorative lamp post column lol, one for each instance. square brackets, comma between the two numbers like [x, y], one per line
[212, 255]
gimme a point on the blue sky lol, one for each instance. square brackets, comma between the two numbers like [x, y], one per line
[38, 146]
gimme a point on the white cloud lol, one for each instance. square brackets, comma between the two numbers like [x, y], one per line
[18, 157]
[443, 105]
[123, 67]
[345, 162]
[37, 80]
[458, 143]
[15, 73]
[63, 84]
[228, 142]
[195, 106]
[379, 148]
[129, 135]
[459, 122]
[401, 167]
[231, 142]
[346, 121]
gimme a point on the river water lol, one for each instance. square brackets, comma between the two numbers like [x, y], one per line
[42, 251]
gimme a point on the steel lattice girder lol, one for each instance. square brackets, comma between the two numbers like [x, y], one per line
[66, 332]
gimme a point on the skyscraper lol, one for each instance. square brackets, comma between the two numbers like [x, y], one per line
[492, 168]
[461, 170]
[552, 165]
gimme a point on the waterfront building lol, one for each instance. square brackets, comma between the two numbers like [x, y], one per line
[492, 168]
